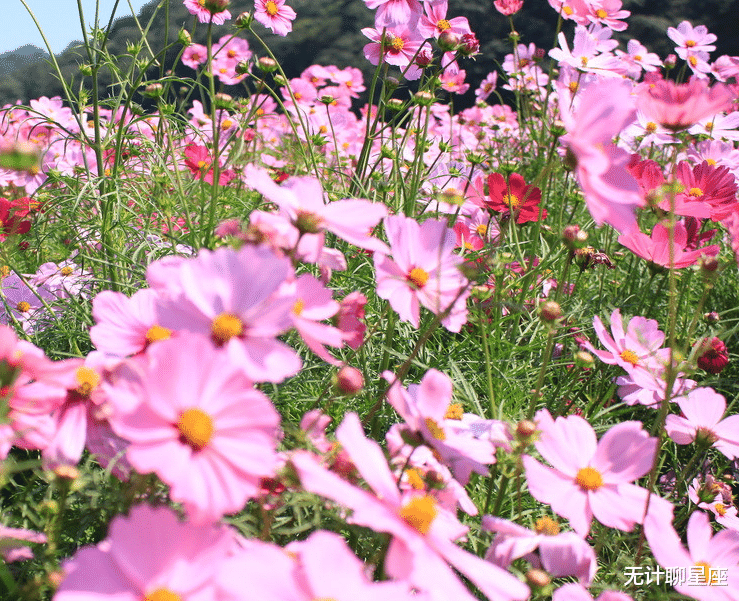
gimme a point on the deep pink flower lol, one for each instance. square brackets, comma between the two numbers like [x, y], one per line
[204, 15]
[703, 409]
[710, 188]
[395, 12]
[513, 197]
[715, 356]
[148, 555]
[590, 478]
[399, 46]
[678, 106]
[705, 555]
[423, 271]
[508, 7]
[275, 14]
[195, 420]
[422, 550]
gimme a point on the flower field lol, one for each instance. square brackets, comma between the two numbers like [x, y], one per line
[294, 344]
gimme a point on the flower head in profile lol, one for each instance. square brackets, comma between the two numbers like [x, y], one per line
[275, 15]
[209, 11]
[591, 478]
[195, 420]
[656, 248]
[678, 106]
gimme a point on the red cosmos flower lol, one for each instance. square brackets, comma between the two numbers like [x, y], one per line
[12, 213]
[513, 196]
[709, 191]
[715, 356]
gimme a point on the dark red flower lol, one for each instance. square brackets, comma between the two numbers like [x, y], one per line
[514, 196]
[715, 356]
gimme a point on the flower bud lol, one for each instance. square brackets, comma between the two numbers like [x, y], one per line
[154, 90]
[243, 20]
[267, 64]
[184, 37]
[349, 380]
[216, 6]
[538, 578]
[712, 317]
[395, 104]
[584, 359]
[573, 237]
[525, 429]
[714, 356]
[392, 83]
[242, 67]
[470, 45]
[550, 311]
[448, 40]
[424, 98]
[223, 101]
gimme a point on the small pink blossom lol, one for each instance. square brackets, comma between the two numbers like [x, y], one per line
[197, 8]
[275, 15]
[508, 7]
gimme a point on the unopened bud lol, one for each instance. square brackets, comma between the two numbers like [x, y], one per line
[349, 380]
[243, 20]
[584, 359]
[223, 101]
[708, 264]
[154, 90]
[525, 429]
[216, 6]
[395, 104]
[424, 98]
[267, 64]
[470, 44]
[573, 237]
[184, 37]
[242, 67]
[448, 40]
[712, 317]
[538, 578]
[670, 61]
[392, 83]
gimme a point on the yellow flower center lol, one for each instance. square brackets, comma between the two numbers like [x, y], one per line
[546, 525]
[443, 25]
[651, 127]
[298, 306]
[709, 127]
[689, 43]
[226, 326]
[630, 357]
[512, 201]
[695, 192]
[705, 577]
[720, 509]
[481, 229]
[567, 10]
[196, 427]
[163, 594]
[87, 380]
[397, 44]
[711, 162]
[638, 57]
[415, 479]
[584, 61]
[227, 123]
[23, 307]
[66, 270]
[434, 429]
[589, 478]
[418, 277]
[573, 85]
[5, 271]
[601, 14]
[156, 333]
[420, 513]
[693, 61]
[271, 8]
[454, 411]
[202, 164]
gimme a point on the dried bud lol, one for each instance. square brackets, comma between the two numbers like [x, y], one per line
[349, 380]
[550, 311]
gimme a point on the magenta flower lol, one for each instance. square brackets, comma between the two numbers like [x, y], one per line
[148, 555]
[275, 15]
[590, 478]
[705, 556]
[194, 419]
[205, 15]
[703, 409]
[656, 249]
[395, 12]
[423, 271]
[421, 550]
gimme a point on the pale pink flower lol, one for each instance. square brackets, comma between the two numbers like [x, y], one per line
[590, 478]
[434, 22]
[398, 46]
[702, 410]
[421, 550]
[194, 55]
[560, 553]
[608, 13]
[235, 299]
[656, 249]
[423, 271]
[149, 554]
[395, 12]
[722, 508]
[275, 15]
[195, 420]
[705, 556]
[487, 86]
[12, 543]
[691, 39]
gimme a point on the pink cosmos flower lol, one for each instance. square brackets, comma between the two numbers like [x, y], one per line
[421, 550]
[705, 556]
[608, 13]
[434, 22]
[12, 543]
[577, 592]
[235, 299]
[656, 249]
[351, 311]
[487, 86]
[427, 411]
[691, 39]
[395, 12]
[424, 271]
[611, 192]
[125, 326]
[508, 7]
[276, 15]
[560, 553]
[399, 46]
[639, 346]
[711, 189]
[194, 55]
[590, 478]
[195, 420]
[678, 106]
[197, 8]
[148, 555]
[703, 409]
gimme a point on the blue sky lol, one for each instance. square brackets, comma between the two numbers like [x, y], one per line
[58, 18]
